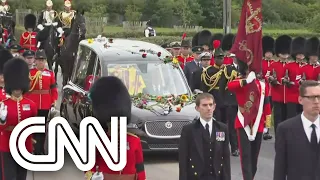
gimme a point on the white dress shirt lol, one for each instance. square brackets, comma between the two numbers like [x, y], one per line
[204, 123]
[307, 127]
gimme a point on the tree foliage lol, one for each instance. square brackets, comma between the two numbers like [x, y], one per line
[166, 13]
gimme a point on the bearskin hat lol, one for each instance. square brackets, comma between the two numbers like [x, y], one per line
[268, 44]
[30, 21]
[16, 75]
[214, 37]
[5, 55]
[227, 42]
[194, 42]
[283, 45]
[298, 46]
[204, 38]
[243, 66]
[110, 98]
[312, 47]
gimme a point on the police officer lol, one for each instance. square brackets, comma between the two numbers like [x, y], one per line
[197, 85]
[110, 98]
[29, 58]
[43, 92]
[13, 110]
[28, 38]
[149, 31]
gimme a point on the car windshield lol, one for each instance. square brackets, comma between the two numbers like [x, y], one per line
[152, 78]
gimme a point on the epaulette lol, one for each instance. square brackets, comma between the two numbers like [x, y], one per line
[130, 134]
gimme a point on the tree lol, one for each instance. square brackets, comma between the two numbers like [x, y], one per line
[189, 11]
[133, 11]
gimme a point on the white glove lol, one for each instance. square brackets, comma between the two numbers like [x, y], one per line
[197, 91]
[40, 27]
[52, 109]
[3, 112]
[47, 24]
[97, 176]
[60, 30]
[55, 24]
[38, 45]
[251, 77]
[265, 130]
[251, 138]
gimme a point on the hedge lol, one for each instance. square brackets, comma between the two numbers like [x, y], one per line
[167, 37]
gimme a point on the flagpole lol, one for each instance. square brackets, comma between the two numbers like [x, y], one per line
[226, 16]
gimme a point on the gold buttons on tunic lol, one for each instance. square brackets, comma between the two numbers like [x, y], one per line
[219, 172]
[195, 173]
[221, 164]
[192, 166]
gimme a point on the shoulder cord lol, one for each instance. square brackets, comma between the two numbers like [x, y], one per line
[34, 79]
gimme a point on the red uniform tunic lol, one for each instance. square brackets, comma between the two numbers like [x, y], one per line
[183, 60]
[17, 112]
[227, 60]
[28, 41]
[316, 73]
[294, 72]
[3, 94]
[134, 164]
[277, 91]
[43, 90]
[88, 82]
[307, 71]
[239, 88]
[5, 35]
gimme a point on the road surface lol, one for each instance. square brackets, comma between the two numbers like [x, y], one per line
[164, 166]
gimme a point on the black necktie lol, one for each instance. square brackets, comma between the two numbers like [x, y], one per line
[207, 130]
[314, 139]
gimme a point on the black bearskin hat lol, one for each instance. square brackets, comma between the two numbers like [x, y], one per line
[110, 98]
[16, 75]
[30, 21]
[194, 42]
[268, 44]
[5, 55]
[214, 37]
[312, 47]
[298, 46]
[227, 42]
[204, 38]
[283, 45]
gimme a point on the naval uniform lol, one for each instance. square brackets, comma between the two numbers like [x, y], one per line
[204, 152]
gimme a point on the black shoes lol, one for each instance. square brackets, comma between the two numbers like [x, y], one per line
[267, 136]
[235, 153]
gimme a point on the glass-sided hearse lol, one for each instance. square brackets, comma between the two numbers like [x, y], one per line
[162, 102]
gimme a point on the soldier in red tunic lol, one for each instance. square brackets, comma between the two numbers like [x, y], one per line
[292, 78]
[226, 45]
[110, 98]
[5, 36]
[312, 48]
[43, 91]
[28, 38]
[5, 56]
[13, 110]
[184, 56]
[275, 74]
[254, 114]
[268, 52]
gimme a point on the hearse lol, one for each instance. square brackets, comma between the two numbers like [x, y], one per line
[151, 82]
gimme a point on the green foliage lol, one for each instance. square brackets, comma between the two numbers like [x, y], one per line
[314, 23]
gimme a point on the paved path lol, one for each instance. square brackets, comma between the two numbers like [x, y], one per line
[164, 166]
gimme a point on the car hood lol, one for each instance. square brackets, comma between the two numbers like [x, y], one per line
[188, 112]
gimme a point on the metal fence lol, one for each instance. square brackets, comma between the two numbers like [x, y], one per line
[94, 25]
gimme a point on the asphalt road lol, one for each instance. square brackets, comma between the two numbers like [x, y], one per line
[164, 166]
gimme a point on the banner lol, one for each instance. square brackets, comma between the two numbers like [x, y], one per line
[248, 43]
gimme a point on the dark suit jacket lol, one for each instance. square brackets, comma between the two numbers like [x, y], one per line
[294, 157]
[191, 158]
[189, 69]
